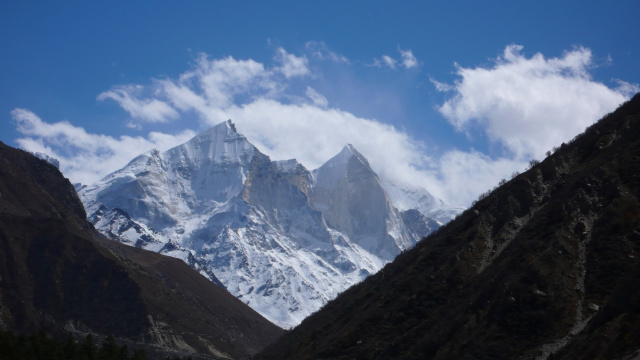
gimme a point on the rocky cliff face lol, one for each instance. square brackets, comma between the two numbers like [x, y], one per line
[58, 273]
[354, 202]
[281, 238]
[545, 267]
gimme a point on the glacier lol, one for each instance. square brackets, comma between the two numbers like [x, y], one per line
[283, 239]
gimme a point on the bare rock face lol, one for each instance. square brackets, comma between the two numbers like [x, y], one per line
[545, 267]
[59, 274]
[417, 223]
[281, 238]
[354, 202]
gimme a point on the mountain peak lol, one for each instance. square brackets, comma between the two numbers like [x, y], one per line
[221, 143]
[231, 125]
[354, 202]
[338, 166]
[225, 128]
[347, 152]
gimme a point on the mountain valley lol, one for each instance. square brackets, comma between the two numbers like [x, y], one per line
[543, 267]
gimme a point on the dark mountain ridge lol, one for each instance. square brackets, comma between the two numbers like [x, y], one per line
[58, 274]
[544, 267]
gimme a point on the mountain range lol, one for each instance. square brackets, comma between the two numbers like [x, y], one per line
[283, 239]
[543, 267]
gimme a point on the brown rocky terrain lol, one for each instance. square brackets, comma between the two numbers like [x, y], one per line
[58, 274]
[544, 267]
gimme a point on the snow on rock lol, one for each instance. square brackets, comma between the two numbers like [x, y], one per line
[353, 201]
[279, 237]
[406, 197]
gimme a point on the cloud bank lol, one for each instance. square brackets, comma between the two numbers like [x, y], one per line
[86, 157]
[280, 124]
[527, 105]
[531, 104]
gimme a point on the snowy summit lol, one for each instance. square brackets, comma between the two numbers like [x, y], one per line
[283, 239]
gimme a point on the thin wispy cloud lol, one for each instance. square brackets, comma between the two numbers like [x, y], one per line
[151, 110]
[626, 88]
[321, 51]
[86, 157]
[317, 99]
[460, 176]
[292, 65]
[407, 60]
[388, 61]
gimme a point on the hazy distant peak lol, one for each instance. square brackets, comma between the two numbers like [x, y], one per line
[345, 155]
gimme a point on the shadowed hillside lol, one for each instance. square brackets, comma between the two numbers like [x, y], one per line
[544, 267]
[58, 274]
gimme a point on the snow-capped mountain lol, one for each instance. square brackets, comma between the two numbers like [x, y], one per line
[407, 197]
[353, 201]
[281, 238]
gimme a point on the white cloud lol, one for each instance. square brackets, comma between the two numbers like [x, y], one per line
[280, 125]
[530, 104]
[409, 61]
[440, 86]
[461, 176]
[152, 110]
[221, 80]
[318, 99]
[527, 104]
[210, 84]
[384, 61]
[86, 157]
[312, 135]
[389, 61]
[292, 65]
[320, 51]
[284, 126]
[626, 88]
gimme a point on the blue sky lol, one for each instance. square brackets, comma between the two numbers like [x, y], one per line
[451, 97]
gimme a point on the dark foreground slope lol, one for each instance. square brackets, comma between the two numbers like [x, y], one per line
[546, 266]
[58, 274]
